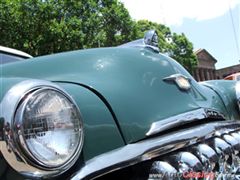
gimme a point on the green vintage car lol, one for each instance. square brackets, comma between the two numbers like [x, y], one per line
[121, 112]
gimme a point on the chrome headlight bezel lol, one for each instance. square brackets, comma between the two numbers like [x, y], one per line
[17, 153]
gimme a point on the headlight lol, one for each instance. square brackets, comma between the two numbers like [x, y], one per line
[48, 128]
[43, 130]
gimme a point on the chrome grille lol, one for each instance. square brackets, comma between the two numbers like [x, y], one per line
[200, 151]
[215, 158]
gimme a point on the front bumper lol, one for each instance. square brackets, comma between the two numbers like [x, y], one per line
[171, 148]
[180, 151]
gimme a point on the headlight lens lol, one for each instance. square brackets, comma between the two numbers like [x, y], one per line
[49, 128]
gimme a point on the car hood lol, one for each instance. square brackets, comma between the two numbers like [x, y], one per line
[129, 79]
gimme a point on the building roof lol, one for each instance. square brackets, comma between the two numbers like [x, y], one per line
[237, 66]
[205, 52]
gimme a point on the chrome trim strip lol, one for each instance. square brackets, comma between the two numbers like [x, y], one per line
[147, 149]
[14, 52]
[9, 147]
[183, 118]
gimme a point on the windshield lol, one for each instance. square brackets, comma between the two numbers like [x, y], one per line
[7, 58]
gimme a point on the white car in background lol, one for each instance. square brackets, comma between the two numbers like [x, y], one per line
[9, 55]
[235, 76]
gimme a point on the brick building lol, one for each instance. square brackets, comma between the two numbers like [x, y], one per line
[206, 69]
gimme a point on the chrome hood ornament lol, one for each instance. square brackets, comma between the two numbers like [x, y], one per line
[150, 41]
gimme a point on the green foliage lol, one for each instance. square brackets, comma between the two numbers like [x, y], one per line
[44, 27]
[41, 27]
[182, 51]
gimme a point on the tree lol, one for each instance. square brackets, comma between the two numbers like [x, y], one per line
[42, 27]
[115, 22]
[182, 51]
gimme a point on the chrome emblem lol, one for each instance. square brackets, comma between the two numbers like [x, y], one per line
[180, 80]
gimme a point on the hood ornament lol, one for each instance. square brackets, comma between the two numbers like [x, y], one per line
[150, 41]
[151, 38]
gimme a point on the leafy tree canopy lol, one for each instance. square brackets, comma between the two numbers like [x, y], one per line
[42, 27]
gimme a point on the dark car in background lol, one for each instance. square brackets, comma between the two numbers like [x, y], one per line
[126, 112]
[8, 55]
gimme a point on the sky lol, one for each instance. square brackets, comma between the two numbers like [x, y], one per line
[206, 23]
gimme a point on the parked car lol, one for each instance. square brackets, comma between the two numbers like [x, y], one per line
[235, 76]
[120, 112]
[8, 55]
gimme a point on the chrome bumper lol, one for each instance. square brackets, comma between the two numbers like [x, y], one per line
[161, 146]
